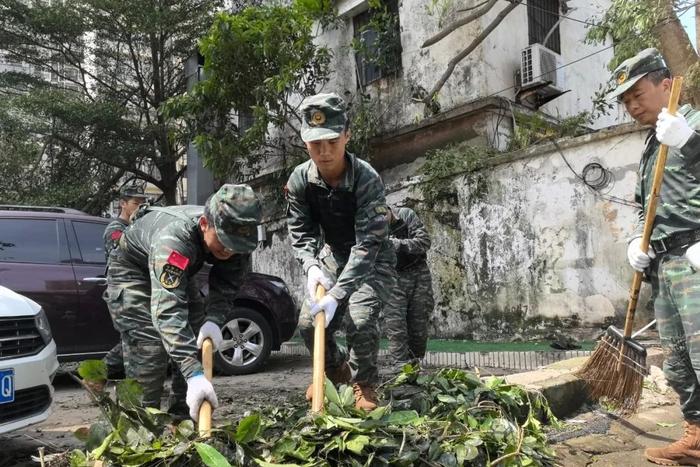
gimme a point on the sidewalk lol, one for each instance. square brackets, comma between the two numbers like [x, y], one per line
[591, 435]
[622, 441]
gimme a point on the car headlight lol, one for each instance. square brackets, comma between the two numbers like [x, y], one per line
[42, 324]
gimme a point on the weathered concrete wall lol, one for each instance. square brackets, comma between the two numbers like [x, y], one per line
[524, 247]
[488, 70]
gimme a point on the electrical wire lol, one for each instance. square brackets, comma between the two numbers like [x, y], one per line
[660, 23]
[532, 5]
[596, 178]
[554, 69]
[588, 23]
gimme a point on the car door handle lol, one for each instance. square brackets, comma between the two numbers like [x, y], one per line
[95, 280]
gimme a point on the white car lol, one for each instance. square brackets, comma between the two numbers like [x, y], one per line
[28, 362]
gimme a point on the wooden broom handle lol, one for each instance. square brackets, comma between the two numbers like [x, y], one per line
[651, 209]
[205, 408]
[319, 375]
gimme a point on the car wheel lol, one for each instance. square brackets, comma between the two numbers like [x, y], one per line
[247, 343]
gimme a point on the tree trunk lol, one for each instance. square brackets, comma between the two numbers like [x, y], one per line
[168, 182]
[678, 51]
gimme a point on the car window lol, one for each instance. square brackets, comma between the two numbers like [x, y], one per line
[30, 240]
[90, 241]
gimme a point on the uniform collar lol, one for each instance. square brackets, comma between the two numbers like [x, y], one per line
[348, 180]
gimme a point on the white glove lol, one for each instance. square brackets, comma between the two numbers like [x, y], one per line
[328, 304]
[199, 389]
[315, 276]
[672, 130]
[692, 254]
[211, 331]
[636, 257]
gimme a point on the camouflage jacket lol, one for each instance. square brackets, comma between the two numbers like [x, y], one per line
[365, 190]
[113, 232]
[410, 238]
[679, 204]
[171, 251]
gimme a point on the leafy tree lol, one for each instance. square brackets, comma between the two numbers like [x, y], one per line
[108, 65]
[259, 64]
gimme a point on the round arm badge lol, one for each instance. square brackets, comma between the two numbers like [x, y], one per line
[173, 270]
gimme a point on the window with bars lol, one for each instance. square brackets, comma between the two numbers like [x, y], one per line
[380, 50]
[542, 17]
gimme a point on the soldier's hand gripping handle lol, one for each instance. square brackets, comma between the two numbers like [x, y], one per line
[315, 278]
[201, 398]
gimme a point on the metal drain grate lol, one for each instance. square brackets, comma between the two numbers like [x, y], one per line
[523, 361]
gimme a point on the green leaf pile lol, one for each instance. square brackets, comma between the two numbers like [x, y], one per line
[449, 418]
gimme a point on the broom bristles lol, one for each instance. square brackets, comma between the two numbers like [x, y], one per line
[600, 373]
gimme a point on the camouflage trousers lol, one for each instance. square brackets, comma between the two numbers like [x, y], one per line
[677, 310]
[128, 297]
[359, 313]
[406, 315]
[114, 361]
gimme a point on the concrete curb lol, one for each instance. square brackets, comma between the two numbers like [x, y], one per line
[565, 392]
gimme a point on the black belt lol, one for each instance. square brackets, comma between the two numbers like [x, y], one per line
[675, 241]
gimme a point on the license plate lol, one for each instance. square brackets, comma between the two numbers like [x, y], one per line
[7, 386]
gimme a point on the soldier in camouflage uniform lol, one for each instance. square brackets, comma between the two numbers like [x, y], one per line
[154, 299]
[406, 314]
[643, 85]
[131, 196]
[338, 226]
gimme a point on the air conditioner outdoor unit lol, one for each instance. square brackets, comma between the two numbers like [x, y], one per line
[539, 65]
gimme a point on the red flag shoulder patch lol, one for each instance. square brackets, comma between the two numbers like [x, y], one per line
[178, 260]
[116, 235]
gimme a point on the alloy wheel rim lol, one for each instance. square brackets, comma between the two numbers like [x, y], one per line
[243, 342]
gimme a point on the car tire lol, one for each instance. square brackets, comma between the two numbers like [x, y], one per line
[249, 352]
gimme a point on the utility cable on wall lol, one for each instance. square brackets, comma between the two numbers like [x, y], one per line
[596, 178]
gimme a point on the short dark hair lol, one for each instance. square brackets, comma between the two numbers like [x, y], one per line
[659, 75]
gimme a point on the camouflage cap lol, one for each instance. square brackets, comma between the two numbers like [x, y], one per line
[236, 212]
[132, 190]
[323, 117]
[632, 70]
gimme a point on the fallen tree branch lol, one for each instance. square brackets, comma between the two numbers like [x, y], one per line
[459, 23]
[469, 8]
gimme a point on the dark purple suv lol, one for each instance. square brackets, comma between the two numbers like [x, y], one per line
[55, 256]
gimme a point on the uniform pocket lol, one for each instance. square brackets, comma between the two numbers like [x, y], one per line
[114, 297]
